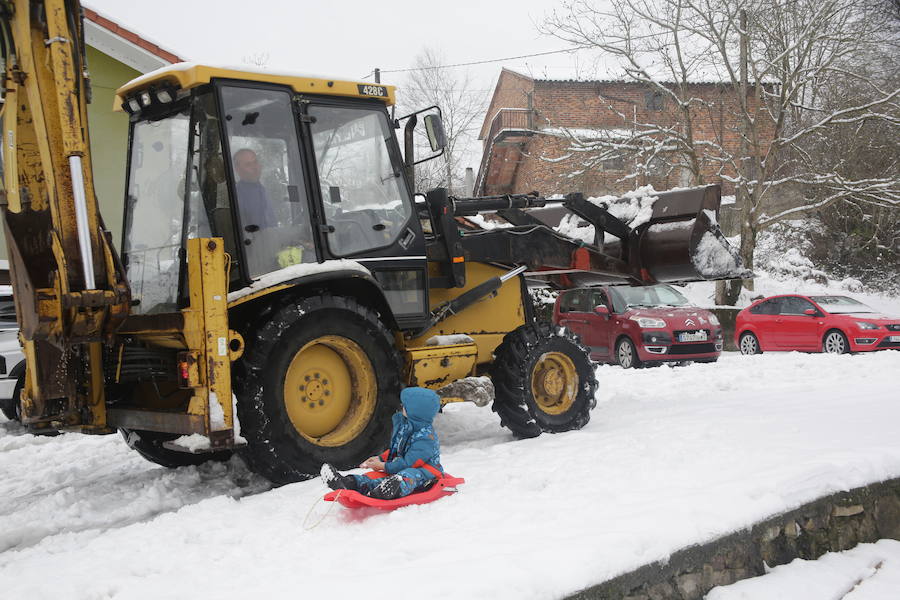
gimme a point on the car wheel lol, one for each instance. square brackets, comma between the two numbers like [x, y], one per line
[626, 354]
[749, 344]
[835, 342]
[10, 407]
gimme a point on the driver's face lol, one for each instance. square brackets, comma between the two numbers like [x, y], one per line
[246, 166]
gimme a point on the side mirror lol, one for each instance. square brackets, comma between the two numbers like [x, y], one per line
[602, 311]
[811, 312]
[434, 128]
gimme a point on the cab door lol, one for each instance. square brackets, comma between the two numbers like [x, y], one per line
[366, 207]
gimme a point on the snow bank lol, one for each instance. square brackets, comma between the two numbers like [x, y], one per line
[867, 572]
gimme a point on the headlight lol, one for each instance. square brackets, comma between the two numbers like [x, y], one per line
[864, 325]
[714, 319]
[649, 323]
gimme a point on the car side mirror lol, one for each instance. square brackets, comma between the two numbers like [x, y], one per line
[811, 312]
[602, 311]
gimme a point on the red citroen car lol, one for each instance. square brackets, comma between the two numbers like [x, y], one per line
[834, 324]
[632, 326]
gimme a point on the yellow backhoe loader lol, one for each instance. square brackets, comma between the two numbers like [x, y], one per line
[275, 262]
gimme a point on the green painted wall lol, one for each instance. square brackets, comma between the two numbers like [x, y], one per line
[109, 138]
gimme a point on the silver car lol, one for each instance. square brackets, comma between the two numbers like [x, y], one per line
[12, 361]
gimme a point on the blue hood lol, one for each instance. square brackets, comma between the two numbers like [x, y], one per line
[421, 405]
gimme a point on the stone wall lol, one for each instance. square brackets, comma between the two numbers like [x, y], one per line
[834, 523]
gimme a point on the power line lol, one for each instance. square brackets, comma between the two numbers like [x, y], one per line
[563, 51]
[480, 62]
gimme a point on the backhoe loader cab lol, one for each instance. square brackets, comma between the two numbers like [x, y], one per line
[274, 267]
[284, 177]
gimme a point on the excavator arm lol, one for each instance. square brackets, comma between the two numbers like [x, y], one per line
[69, 286]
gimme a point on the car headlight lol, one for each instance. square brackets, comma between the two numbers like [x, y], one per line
[649, 323]
[864, 325]
[714, 319]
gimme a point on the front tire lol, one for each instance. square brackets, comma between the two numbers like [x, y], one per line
[749, 344]
[318, 383]
[626, 354]
[835, 342]
[544, 381]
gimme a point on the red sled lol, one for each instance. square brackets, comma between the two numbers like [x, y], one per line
[444, 486]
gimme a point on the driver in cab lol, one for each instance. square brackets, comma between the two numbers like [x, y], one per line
[257, 215]
[252, 197]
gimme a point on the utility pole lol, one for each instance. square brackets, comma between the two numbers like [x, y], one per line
[377, 75]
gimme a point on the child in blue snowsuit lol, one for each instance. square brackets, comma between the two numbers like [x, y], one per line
[414, 444]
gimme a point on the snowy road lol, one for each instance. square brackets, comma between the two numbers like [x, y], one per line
[670, 458]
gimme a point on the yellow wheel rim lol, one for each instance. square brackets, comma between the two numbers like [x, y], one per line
[330, 390]
[554, 383]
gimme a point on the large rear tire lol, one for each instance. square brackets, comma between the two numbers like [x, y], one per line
[543, 380]
[318, 383]
[149, 445]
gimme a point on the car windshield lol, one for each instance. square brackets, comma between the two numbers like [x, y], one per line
[650, 296]
[840, 304]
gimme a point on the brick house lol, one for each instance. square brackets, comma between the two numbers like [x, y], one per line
[536, 133]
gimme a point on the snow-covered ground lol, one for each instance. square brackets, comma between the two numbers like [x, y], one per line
[866, 572]
[671, 457]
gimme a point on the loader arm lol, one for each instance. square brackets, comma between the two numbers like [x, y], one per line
[68, 283]
[680, 240]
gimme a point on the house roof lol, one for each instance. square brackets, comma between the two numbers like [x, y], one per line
[125, 45]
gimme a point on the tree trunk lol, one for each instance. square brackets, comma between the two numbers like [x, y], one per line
[728, 292]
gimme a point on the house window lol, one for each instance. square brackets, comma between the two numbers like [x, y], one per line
[655, 100]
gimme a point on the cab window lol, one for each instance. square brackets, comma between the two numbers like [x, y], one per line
[365, 199]
[273, 209]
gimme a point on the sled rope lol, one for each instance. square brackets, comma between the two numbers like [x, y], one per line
[307, 527]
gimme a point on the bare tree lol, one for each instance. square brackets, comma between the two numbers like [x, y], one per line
[428, 84]
[775, 56]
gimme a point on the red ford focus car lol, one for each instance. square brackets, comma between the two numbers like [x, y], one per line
[834, 324]
[636, 325]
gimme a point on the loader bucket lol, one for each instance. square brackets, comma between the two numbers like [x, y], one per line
[682, 241]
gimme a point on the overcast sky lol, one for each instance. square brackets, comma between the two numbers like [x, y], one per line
[349, 38]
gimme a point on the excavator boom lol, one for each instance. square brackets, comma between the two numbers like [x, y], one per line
[69, 288]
